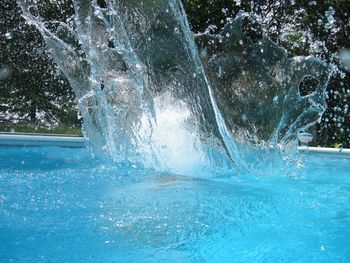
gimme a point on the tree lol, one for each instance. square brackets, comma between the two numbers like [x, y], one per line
[33, 89]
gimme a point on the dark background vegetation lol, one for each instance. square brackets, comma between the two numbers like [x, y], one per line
[35, 96]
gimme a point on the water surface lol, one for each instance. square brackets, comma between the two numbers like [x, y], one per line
[59, 205]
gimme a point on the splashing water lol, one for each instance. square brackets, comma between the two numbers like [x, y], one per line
[151, 94]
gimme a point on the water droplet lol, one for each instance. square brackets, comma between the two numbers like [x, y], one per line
[219, 72]
[8, 35]
[103, 47]
[4, 72]
[328, 26]
[331, 10]
[345, 57]
[98, 13]
[311, 3]
[220, 38]
[203, 53]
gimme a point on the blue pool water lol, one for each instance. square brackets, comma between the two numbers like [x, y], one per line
[59, 205]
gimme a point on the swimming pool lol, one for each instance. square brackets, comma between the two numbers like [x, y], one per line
[59, 205]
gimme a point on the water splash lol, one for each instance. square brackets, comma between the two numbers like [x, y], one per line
[259, 88]
[265, 96]
[148, 98]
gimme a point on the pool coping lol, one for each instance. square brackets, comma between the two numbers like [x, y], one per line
[37, 139]
[341, 152]
[31, 139]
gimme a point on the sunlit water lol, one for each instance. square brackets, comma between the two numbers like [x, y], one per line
[59, 205]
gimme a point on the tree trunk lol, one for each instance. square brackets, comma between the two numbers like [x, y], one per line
[32, 112]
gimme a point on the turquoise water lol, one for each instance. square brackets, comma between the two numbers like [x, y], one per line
[59, 205]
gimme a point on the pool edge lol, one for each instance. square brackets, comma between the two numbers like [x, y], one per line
[31, 139]
[26, 139]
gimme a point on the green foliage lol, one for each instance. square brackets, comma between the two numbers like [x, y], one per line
[29, 127]
[34, 89]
